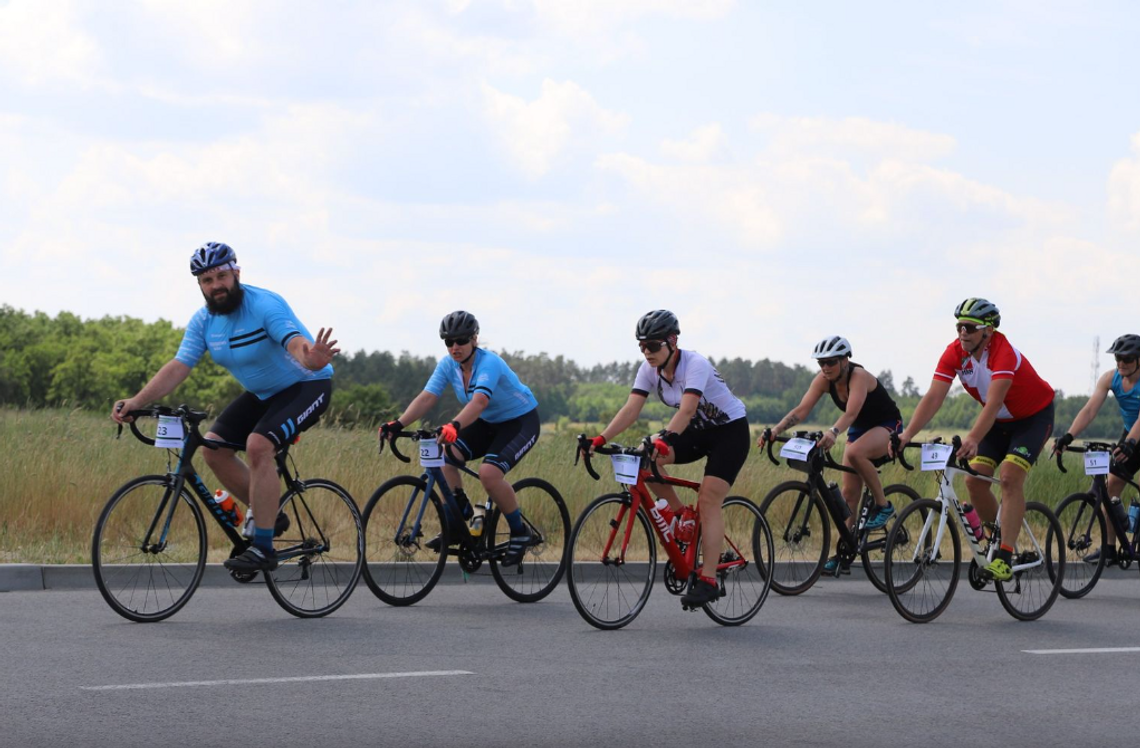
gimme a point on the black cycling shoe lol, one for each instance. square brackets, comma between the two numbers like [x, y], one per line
[1109, 558]
[517, 546]
[281, 524]
[700, 594]
[253, 559]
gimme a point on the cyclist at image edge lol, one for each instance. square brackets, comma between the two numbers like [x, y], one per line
[1121, 382]
[499, 422]
[1015, 422]
[709, 422]
[869, 415]
[287, 375]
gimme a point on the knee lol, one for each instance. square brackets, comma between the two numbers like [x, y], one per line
[489, 475]
[259, 449]
[974, 484]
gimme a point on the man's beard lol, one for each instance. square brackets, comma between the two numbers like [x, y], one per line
[230, 303]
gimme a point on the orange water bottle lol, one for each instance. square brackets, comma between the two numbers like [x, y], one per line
[229, 507]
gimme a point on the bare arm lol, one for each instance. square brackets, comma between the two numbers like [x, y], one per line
[800, 412]
[1092, 407]
[172, 374]
[684, 415]
[856, 395]
[472, 410]
[421, 404]
[927, 407]
[625, 417]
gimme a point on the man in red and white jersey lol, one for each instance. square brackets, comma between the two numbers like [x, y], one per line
[1015, 422]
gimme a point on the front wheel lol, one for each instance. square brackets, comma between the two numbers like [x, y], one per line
[400, 569]
[543, 564]
[802, 535]
[321, 553]
[744, 573]
[613, 560]
[874, 544]
[1084, 531]
[921, 575]
[149, 549]
[1040, 548]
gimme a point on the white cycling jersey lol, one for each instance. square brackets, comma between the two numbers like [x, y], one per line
[694, 374]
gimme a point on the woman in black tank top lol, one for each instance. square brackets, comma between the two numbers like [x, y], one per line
[868, 414]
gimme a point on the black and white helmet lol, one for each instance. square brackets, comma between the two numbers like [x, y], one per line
[832, 347]
[211, 255]
[657, 325]
[458, 324]
[1126, 345]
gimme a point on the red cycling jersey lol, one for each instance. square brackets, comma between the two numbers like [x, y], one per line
[1028, 394]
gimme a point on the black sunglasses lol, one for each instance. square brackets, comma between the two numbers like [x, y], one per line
[829, 362]
[1126, 359]
[456, 341]
[969, 327]
[652, 346]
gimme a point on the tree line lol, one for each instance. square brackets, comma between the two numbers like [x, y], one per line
[66, 361]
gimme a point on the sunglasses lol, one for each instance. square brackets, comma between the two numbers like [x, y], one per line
[969, 327]
[1126, 359]
[829, 362]
[456, 341]
[651, 346]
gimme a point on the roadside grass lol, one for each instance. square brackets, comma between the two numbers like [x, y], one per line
[59, 467]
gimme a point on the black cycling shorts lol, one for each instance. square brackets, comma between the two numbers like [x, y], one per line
[1128, 468]
[726, 446]
[1019, 442]
[499, 444]
[279, 418]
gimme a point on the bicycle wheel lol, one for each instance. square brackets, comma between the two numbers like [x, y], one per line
[748, 538]
[920, 581]
[802, 534]
[321, 553]
[874, 545]
[1041, 541]
[543, 565]
[147, 579]
[398, 568]
[610, 578]
[1084, 530]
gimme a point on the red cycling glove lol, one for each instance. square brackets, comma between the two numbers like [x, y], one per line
[598, 441]
[450, 432]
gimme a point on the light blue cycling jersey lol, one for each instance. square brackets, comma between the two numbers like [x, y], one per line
[509, 398]
[250, 343]
[1129, 402]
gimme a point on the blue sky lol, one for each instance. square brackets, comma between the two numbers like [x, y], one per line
[774, 173]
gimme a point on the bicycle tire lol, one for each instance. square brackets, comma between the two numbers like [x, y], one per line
[801, 530]
[400, 570]
[610, 595]
[1085, 531]
[142, 586]
[1031, 592]
[543, 565]
[746, 588]
[327, 534]
[918, 581]
[874, 546]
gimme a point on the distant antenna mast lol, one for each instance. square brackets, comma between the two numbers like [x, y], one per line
[1095, 364]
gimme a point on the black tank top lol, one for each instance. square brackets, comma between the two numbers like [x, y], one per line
[878, 408]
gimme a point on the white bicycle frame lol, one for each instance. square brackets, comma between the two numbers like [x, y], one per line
[948, 498]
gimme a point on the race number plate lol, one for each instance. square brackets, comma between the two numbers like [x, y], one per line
[796, 449]
[169, 434]
[934, 456]
[1096, 463]
[431, 454]
[626, 468]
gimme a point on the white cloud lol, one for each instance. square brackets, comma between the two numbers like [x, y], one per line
[702, 145]
[1124, 189]
[849, 137]
[43, 42]
[536, 134]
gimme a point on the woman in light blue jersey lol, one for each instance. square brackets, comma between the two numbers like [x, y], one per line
[499, 422]
[1122, 383]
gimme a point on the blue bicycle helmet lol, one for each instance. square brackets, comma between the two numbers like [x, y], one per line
[209, 256]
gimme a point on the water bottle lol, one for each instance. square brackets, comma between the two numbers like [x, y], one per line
[665, 511]
[838, 501]
[974, 521]
[229, 507]
[476, 527]
[1117, 511]
[687, 525]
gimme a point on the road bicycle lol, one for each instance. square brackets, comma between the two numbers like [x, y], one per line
[149, 549]
[613, 550]
[799, 511]
[406, 512]
[924, 552]
[1082, 517]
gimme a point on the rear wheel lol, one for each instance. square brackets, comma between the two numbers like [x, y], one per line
[801, 533]
[542, 565]
[147, 569]
[748, 547]
[900, 496]
[610, 578]
[399, 568]
[921, 575]
[1084, 531]
[1041, 546]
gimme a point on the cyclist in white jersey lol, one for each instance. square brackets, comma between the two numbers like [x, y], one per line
[710, 422]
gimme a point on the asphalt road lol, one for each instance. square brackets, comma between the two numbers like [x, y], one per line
[467, 667]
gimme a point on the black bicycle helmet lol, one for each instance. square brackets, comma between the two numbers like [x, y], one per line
[1126, 345]
[458, 324]
[832, 347]
[209, 256]
[657, 325]
[979, 310]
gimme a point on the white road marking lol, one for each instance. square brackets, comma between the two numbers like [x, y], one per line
[259, 681]
[1095, 650]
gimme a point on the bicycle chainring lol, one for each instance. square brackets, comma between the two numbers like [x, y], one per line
[975, 576]
[672, 584]
[468, 561]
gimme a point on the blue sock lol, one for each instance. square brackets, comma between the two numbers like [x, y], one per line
[263, 539]
[514, 519]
